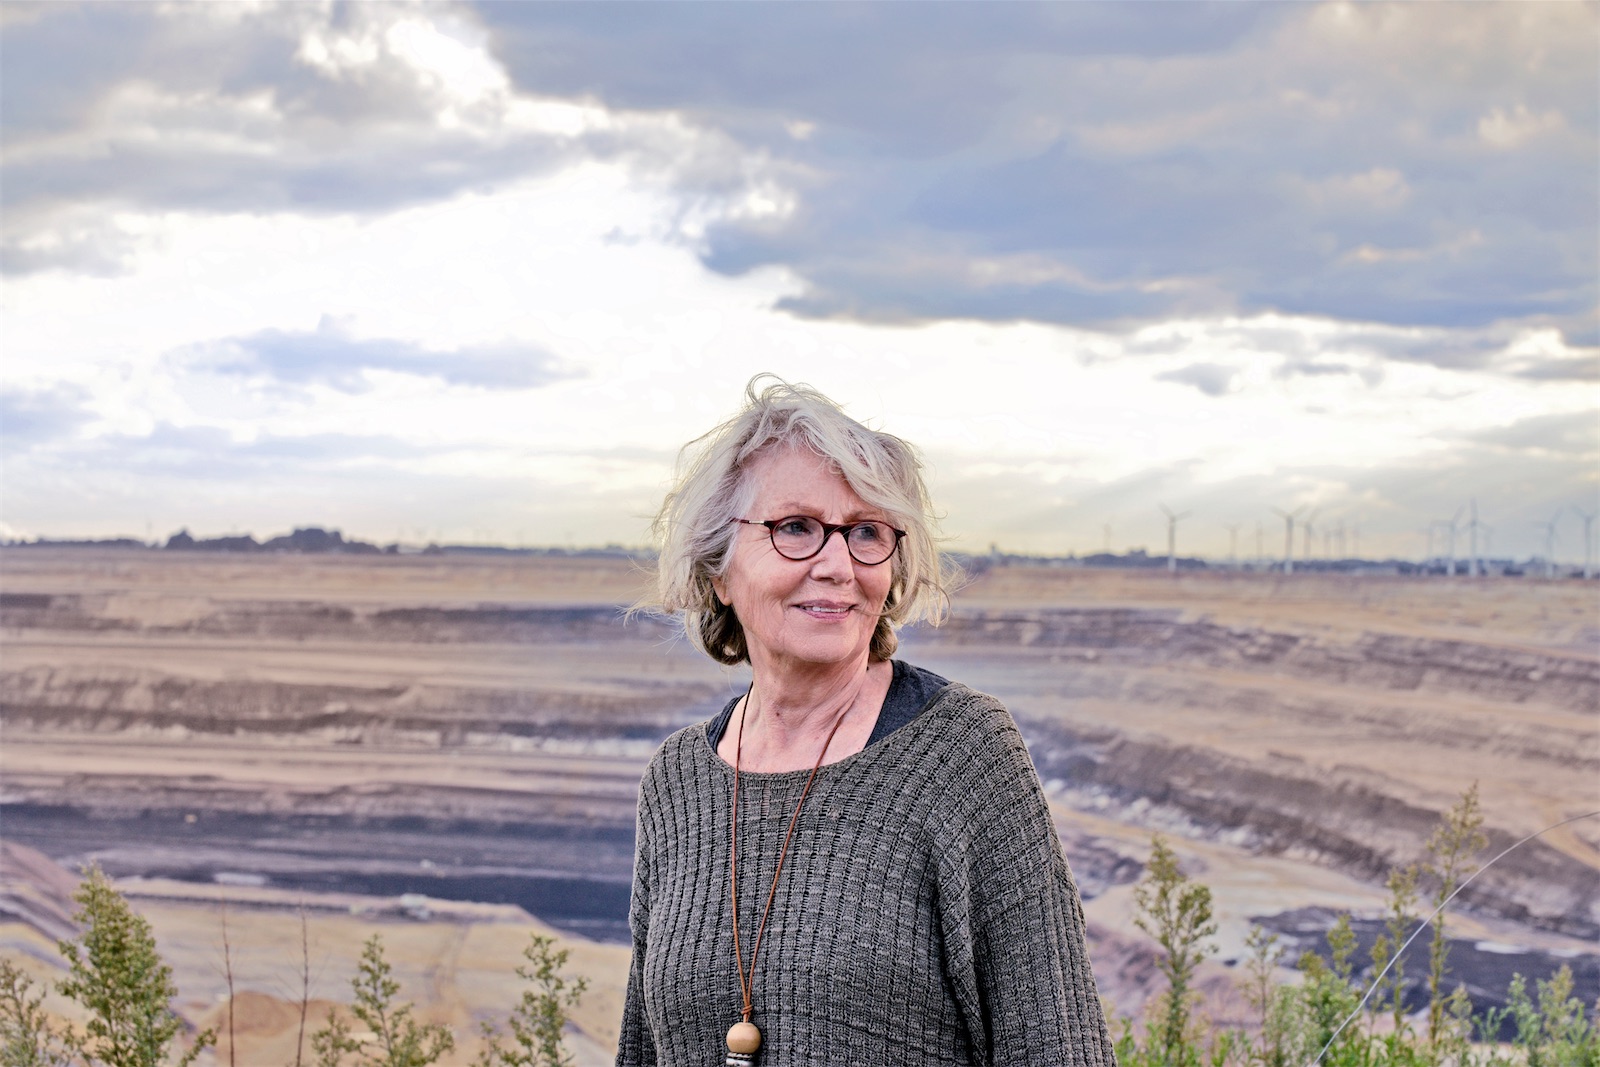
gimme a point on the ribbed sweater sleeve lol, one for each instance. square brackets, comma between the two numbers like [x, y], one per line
[926, 914]
[1010, 914]
[634, 1044]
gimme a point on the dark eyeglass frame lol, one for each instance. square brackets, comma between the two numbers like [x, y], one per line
[828, 530]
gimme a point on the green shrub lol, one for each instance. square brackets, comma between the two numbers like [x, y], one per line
[1451, 851]
[540, 1017]
[1552, 1031]
[396, 1039]
[115, 972]
[1313, 1021]
[1176, 912]
[27, 1037]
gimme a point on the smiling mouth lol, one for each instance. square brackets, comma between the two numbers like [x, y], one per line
[818, 609]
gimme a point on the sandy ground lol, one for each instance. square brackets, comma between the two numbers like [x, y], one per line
[1509, 612]
[457, 966]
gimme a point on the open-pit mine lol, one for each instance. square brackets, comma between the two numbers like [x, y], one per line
[445, 749]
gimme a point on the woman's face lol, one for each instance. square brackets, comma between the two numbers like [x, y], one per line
[803, 613]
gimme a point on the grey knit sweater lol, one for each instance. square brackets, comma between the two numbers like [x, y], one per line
[925, 914]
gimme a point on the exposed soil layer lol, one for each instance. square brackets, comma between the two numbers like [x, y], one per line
[576, 877]
[475, 729]
[1129, 636]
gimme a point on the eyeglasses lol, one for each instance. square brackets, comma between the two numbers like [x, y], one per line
[800, 537]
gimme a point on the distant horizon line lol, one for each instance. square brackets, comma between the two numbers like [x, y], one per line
[330, 541]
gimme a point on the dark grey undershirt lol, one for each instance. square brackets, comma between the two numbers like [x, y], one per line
[911, 690]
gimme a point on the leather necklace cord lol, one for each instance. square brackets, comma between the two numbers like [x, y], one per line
[747, 980]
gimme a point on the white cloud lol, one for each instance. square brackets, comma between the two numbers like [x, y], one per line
[458, 226]
[1377, 189]
[1038, 412]
[302, 109]
[1511, 129]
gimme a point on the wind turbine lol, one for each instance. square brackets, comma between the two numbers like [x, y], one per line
[1261, 552]
[1588, 518]
[1488, 548]
[1288, 536]
[1475, 564]
[1308, 531]
[1450, 529]
[1550, 544]
[1233, 544]
[1172, 537]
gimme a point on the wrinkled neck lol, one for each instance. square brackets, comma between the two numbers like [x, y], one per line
[785, 721]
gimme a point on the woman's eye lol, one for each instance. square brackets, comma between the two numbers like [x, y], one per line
[793, 527]
[867, 533]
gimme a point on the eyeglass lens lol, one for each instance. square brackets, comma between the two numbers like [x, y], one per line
[800, 537]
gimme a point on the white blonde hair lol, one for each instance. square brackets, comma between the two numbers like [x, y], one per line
[694, 529]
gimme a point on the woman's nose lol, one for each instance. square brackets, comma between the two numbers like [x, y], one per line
[833, 558]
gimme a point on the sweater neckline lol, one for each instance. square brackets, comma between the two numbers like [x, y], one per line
[936, 707]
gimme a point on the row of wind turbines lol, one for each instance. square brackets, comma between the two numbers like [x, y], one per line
[1452, 528]
[1307, 528]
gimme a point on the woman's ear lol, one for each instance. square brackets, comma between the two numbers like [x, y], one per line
[720, 587]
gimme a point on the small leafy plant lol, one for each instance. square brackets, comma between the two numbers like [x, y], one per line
[393, 1037]
[1176, 912]
[27, 1036]
[540, 1017]
[1314, 1020]
[115, 972]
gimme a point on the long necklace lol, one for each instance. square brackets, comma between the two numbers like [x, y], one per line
[744, 1037]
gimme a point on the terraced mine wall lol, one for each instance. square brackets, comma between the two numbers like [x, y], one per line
[490, 750]
[1286, 803]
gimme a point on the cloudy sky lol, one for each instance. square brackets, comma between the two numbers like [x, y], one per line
[474, 272]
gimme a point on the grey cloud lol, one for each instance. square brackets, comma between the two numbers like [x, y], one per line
[1489, 348]
[1289, 343]
[1252, 337]
[1212, 379]
[97, 248]
[898, 81]
[1093, 164]
[1168, 345]
[30, 417]
[1453, 349]
[1281, 165]
[1570, 433]
[58, 56]
[329, 356]
[109, 107]
[1584, 368]
[1343, 351]
[1314, 367]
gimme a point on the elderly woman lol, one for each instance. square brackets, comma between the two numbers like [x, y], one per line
[853, 863]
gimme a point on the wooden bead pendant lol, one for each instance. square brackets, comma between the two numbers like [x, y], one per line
[744, 1039]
